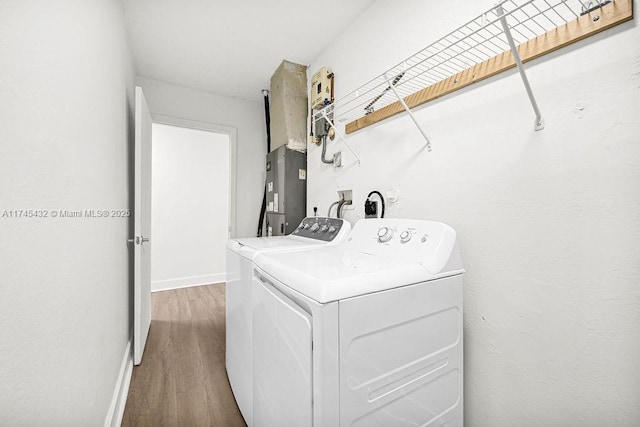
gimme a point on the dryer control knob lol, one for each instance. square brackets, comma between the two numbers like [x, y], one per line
[405, 236]
[385, 234]
[324, 228]
[315, 227]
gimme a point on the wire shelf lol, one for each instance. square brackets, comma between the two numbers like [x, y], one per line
[475, 44]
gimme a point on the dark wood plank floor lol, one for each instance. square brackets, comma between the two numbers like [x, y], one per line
[182, 379]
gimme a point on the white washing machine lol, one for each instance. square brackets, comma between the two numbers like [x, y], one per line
[312, 232]
[364, 333]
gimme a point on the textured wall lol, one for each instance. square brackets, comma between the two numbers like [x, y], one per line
[65, 129]
[548, 222]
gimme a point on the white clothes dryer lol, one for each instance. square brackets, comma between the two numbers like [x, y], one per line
[367, 332]
[312, 232]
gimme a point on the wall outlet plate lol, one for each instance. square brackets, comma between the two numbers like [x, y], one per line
[370, 209]
[337, 159]
[393, 195]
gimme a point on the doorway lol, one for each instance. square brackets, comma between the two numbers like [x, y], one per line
[193, 202]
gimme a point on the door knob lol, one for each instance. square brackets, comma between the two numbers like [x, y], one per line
[138, 240]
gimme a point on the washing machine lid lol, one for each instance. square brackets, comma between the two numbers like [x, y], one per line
[333, 273]
[312, 232]
[250, 247]
[260, 243]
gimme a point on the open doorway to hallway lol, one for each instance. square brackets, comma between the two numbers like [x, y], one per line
[193, 203]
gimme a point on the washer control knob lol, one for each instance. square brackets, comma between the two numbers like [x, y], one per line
[315, 227]
[306, 226]
[405, 236]
[332, 229]
[324, 228]
[385, 234]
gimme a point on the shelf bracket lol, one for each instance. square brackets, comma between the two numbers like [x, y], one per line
[335, 129]
[539, 124]
[408, 110]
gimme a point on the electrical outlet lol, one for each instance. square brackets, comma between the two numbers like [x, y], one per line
[393, 195]
[370, 209]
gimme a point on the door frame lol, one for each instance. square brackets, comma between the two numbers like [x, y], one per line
[232, 133]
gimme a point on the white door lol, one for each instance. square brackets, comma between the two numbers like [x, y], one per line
[142, 229]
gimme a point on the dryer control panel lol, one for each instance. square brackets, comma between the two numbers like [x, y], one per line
[429, 243]
[321, 228]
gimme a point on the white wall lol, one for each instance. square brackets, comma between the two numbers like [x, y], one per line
[65, 132]
[548, 222]
[190, 207]
[247, 117]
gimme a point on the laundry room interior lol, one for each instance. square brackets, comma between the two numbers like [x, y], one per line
[363, 213]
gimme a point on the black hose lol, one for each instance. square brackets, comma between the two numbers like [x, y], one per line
[267, 117]
[341, 205]
[331, 207]
[381, 201]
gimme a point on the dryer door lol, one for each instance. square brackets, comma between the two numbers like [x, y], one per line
[282, 360]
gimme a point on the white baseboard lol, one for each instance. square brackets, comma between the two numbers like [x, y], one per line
[185, 282]
[119, 399]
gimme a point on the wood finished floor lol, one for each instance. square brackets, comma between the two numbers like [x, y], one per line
[182, 379]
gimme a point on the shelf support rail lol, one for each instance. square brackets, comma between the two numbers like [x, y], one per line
[335, 129]
[408, 110]
[539, 125]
